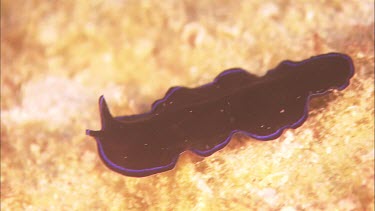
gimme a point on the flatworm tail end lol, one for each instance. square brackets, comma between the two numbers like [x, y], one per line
[350, 65]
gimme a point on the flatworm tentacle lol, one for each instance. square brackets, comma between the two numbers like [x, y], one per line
[203, 119]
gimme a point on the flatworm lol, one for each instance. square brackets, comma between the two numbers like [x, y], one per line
[203, 119]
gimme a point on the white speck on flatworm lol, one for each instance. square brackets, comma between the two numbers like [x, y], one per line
[221, 110]
[191, 111]
[145, 144]
[171, 102]
[282, 111]
[262, 126]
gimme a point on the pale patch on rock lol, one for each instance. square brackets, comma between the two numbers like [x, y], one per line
[52, 99]
[269, 195]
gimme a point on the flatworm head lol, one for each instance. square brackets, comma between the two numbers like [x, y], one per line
[203, 119]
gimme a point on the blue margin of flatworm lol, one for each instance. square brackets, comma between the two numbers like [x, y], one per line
[150, 171]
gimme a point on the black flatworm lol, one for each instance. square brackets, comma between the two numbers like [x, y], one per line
[203, 119]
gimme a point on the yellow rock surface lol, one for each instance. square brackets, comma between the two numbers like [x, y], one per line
[58, 57]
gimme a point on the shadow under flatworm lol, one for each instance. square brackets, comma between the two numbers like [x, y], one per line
[203, 119]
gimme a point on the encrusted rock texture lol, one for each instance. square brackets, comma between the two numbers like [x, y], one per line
[58, 57]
